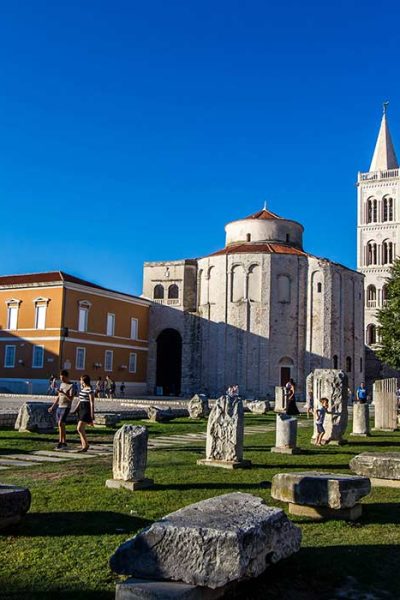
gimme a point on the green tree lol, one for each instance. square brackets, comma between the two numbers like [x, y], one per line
[389, 320]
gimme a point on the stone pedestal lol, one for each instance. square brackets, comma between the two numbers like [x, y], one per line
[286, 435]
[385, 403]
[35, 417]
[321, 495]
[130, 459]
[14, 504]
[225, 432]
[360, 420]
[280, 399]
[198, 407]
[333, 385]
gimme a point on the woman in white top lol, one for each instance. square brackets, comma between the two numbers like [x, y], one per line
[85, 410]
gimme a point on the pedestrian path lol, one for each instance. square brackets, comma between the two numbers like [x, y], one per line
[31, 459]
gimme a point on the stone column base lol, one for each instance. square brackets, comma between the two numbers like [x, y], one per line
[319, 513]
[144, 589]
[360, 434]
[284, 450]
[224, 464]
[132, 486]
[378, 482]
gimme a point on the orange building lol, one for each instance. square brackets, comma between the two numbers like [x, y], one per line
[52, 321]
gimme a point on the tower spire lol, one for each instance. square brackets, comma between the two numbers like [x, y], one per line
[384, 157]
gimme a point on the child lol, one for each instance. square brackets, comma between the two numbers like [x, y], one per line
[321, 412]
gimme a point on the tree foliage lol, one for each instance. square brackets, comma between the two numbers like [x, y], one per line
[389, 321]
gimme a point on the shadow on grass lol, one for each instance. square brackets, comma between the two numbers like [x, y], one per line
[55, 524]
[382, 513]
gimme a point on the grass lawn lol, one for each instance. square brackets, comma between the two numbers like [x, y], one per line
[61, 548]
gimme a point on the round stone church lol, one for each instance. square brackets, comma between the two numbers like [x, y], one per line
[256, 313]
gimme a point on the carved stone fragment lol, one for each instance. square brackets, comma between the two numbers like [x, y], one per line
[198, 407]
[35, 417]
[333, 385]
[130, 458]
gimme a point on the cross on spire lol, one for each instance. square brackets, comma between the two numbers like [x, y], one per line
[385, 105]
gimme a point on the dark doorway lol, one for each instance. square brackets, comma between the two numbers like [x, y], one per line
[169, 362]
[285, 375]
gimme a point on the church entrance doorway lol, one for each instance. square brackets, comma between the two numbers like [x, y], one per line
[169, 362]
[285, 375]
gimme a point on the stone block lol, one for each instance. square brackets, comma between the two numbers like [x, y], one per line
[286, 435]
[160, 415]
[198, 407]
[225, 431]
[259, 407]
[107, 420]
[242, 464]
[14, 504]
[320, 489]
[377, 465]
[143, 589]
[320, 513]
[360, 419]
[333, 385]
[132, 486]
[35, 417]
[210, 543]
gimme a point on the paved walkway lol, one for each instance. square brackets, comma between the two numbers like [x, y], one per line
[31, 459]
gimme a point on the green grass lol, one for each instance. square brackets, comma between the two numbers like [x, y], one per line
[61, 548]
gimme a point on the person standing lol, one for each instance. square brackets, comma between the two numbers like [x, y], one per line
[291, 407]
[52, 389]
[99, 389]
[63, 403]
[110, 388]
[85, 410]
[122, 389]
[361, 393]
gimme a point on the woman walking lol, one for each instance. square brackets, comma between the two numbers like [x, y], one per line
[291, 407]
[85, 410]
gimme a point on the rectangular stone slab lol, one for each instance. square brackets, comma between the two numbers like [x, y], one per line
[322, 513]
[379, 465]
[243, 464]
[210, 543]
[142, 589]
[320, 489]
[132, 486]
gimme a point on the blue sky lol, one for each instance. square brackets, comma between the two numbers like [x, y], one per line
[133, 131]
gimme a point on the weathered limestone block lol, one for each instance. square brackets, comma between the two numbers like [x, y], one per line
[385, 402]
[259, 407]
[383, 468]
[280, 399]
[14, 504]
[210, 543]
[360, 419]
[160, 415]
[333, 385]
[107, 419]
[286, 435]
[225, 432]
[198, 407]
[130, 458]
[35, 417]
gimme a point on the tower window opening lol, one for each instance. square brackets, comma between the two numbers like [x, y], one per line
[348, 364]
[248, 237]
[287, 238]
[319, 288]
[335, 361]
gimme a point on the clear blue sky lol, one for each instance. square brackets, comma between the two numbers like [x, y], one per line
[133, 131]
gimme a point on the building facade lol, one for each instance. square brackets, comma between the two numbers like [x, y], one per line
[378, 226]
[256, 313]
[53, 321]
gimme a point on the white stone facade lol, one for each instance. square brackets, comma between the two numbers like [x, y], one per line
[378, 239]
[255, 313]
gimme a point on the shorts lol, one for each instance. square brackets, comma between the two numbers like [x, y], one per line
[84, 413]
[320, 428]
[62, 414]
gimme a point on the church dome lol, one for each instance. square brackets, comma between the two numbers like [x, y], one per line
[264, 226]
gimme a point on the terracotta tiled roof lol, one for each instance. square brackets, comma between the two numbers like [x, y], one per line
[264, 215]
[50, 277]
[255, 248]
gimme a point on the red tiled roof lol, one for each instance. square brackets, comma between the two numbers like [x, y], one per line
[264, 215]
[51, 277]
[254, 248]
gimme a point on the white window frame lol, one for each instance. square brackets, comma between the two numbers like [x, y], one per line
[110, 328]
[77, 366]
[83, 317]
[106, 365]
[33, 357]
[12, 309]
[9, 366]
[40, 309]
[132, 357]
[134, 328]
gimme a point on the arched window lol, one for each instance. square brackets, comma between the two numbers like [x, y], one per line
[248, 237]
[371, 296]
[158, 293]
[387, 253]
[319, 288]
[254, 283]
[384, 295]
[387, 209]
[371, 334]
[173, 291]
[237, 283]
[335, 361]
[348, 364]
[372, 254]
[372, 210]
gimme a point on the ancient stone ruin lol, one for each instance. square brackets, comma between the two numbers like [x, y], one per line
[160, 415]
[198, 407]
[258, 407]
[286, 435]
[383, 468]
[130, 459]
[280, 399]
[333, 385]
[225, 432]
[210, 543]
[360, 419]
[321, 495]
[385, 402]
[14, 504]
[35, 417]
